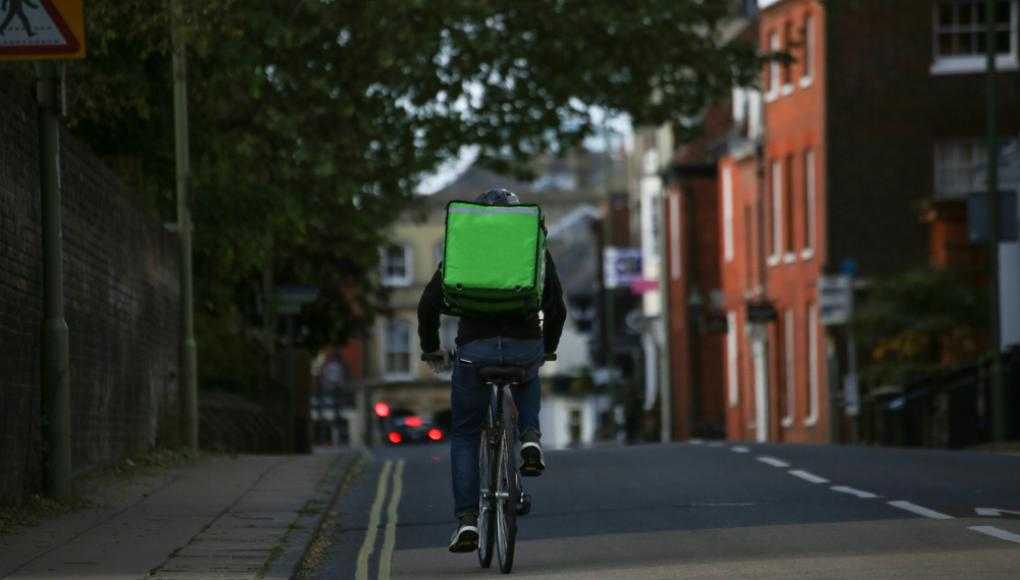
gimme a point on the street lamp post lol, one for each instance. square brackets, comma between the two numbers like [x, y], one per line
[188, 363]
[56, 385]
[991, 105]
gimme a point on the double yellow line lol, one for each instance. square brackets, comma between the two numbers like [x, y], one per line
[374, 517]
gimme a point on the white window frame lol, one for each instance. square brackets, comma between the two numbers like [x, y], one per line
[812, 370]
[808, 74]
[675, 238]
[810, 205]
[727, 202]
[789, 343]
[775, 72]
[388, 372]
[393, 281]
[777, 213]
[732, 359]
[976, 63]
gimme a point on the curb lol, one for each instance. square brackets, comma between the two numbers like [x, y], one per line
[285, 563]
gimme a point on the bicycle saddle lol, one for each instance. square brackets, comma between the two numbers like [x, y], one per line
[502, 374]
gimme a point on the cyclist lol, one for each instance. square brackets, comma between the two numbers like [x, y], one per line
[519, 340]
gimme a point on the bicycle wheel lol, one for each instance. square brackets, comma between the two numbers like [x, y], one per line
[486, 513]
[506, 502]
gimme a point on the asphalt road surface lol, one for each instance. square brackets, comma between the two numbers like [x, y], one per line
[699, 510]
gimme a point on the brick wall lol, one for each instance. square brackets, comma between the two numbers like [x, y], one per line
[885, 112]
[121, 297]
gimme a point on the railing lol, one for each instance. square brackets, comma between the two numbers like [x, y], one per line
[948, 409]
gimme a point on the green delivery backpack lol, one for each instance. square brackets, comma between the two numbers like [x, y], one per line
[493, 259]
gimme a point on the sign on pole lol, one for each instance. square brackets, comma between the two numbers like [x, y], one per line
[836, 299]
[622, 267]
[42, 30]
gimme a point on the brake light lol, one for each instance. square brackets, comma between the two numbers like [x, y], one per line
[395, 438]
[382, 409]
[413, 421]
[435, 434]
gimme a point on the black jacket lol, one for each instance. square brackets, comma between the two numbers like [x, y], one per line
[517, 326]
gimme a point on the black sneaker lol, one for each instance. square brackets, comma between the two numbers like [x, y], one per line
[465, 538]
[532, 463]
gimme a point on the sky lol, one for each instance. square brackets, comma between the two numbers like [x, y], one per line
[619, 125]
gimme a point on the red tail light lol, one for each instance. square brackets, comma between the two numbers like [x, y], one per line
[435, 434]
[395, 438]
[413, 421]
[382, 409]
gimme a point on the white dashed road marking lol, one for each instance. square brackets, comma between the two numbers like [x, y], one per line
[739, 449]
[994, 512]
[853, 491]
[997, 533]
[920, 510]
[716, 444]
[772, 461]
[807, 476]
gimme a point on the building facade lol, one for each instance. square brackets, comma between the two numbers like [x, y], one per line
[857, 157]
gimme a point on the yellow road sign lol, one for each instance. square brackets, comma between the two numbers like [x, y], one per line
[42, 30]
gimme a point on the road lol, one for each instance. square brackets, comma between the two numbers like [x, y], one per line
[700, 510]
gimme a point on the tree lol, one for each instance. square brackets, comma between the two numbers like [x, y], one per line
[920, 321]
[313, 121]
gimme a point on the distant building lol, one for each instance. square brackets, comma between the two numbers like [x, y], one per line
[569, 191]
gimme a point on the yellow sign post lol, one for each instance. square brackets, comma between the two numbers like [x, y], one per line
[42, 30]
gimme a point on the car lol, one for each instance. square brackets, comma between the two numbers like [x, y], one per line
[400, 426]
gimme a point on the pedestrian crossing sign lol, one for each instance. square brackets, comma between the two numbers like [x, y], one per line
[42, 30]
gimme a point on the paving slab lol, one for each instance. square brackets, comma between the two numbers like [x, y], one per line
[224, 517]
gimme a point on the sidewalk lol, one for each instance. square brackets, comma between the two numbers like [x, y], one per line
[242, 517]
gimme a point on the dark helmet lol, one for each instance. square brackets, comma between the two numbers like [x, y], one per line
[498, 197]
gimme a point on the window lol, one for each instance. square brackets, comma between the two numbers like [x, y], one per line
[959, 168]
[448, 333]
[773, 80]
[812, 370]
[808, 60]
[788, 67]
[777, 212]
[733, 386]
[396, 265]
[809, 204]
[727, 208]
[437, 252]
[788, 356]
[960, 41]
[397, 347]
[788, 206]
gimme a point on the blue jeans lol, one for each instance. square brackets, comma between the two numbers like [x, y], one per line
[469, 400]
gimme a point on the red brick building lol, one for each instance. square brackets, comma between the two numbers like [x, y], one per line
[856, 155]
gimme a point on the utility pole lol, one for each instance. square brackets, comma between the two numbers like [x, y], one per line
[665, 373]
[56, 384]
[188, 350]
[991, 106]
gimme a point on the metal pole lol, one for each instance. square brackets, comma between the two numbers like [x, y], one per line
[188, 356]
[665, 372]
[291, 382]
[610, 326]
[56, 384]
[998, 394]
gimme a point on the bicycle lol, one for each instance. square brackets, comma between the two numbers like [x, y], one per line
[502, 497]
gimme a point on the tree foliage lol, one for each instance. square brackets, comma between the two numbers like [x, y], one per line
[920, 321]
[312, 121]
